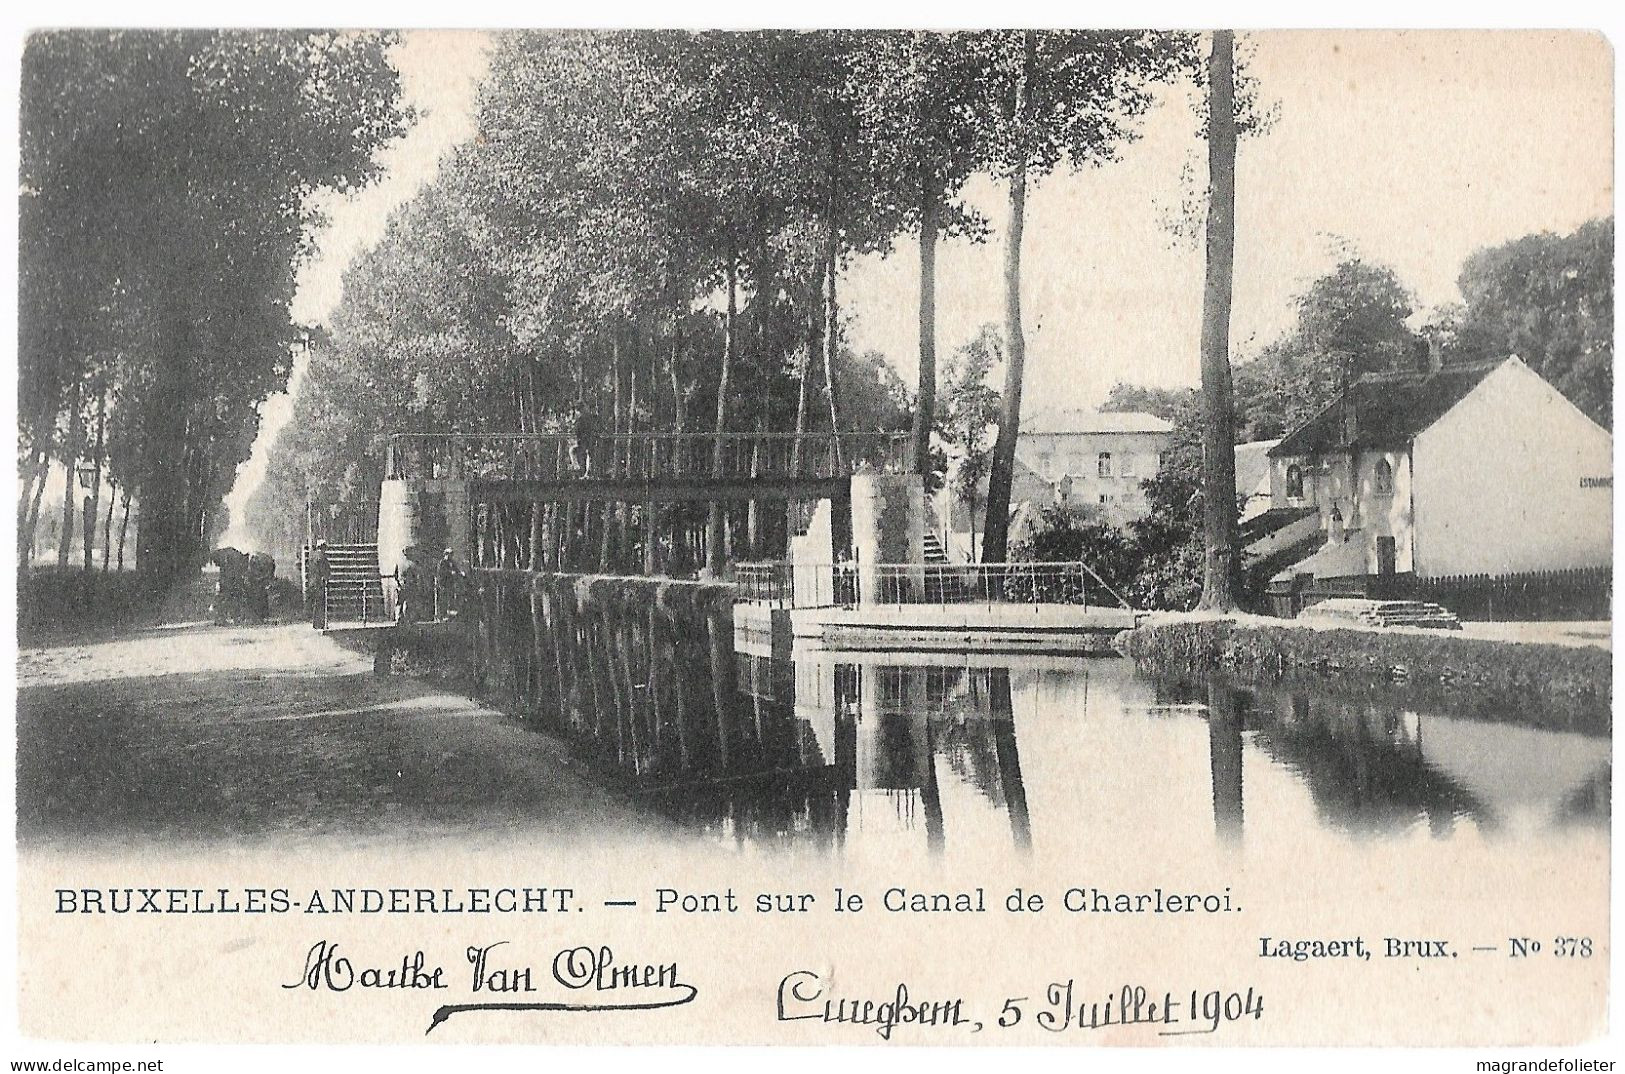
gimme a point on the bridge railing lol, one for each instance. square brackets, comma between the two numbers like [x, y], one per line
[780, 584]
[341, 522]
[641, 456]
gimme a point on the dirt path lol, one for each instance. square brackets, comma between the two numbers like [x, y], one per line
[201, 734]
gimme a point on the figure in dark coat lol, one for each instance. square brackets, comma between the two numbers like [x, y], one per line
[231, 584]
[589, 447]
[317, 571]
[257, 587]
[448, 580]
[411, 609]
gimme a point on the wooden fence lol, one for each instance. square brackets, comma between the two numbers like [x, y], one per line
[1571, 594]
[1583, 593]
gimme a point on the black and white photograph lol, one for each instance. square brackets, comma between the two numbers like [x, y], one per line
[814, 537]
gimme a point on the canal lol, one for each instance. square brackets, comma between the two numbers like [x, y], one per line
[986, 759]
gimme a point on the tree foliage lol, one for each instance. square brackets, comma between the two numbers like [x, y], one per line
[969, 417]
[1352, 320]
[644, 227]
[1549, 299]
[165, 206]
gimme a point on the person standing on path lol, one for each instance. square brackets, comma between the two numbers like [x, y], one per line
[448, 577]
[317, 571]
[589, 440]
[412, 589]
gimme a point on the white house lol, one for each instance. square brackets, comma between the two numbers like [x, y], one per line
[1093, 457]
[1068, 456]
[1448, 471]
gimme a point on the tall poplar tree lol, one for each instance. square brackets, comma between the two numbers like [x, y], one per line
[1220, 568]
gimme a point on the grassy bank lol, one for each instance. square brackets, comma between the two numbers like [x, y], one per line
[1546, 685]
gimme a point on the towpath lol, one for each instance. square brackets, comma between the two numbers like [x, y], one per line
[203, 734]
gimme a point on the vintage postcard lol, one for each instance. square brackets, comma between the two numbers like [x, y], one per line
[833, 537]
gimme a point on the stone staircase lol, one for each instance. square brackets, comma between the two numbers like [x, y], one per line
[355, 593]
[944, 584]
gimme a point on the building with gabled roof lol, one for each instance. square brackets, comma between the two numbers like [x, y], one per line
[1479, 470]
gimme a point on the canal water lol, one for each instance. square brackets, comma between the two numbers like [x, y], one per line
[985, 759]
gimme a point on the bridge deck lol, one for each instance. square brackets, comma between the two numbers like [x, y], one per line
[696, 466]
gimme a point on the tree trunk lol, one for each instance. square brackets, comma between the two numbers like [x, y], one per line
[96, 485]
[714, 537]
[926, 391]
[604, 532]
[1219, 571]
[832, 338]
[811, 346]
[619, 424]
[164, 539]
[107, 525]
[123, 528]
[974, 558]
[752, 546]
[565, 558]
[679, 400]
[38, 467]
[536, 555]
[44, 432]
[1001, 475]
[69, 457]
[28, 525]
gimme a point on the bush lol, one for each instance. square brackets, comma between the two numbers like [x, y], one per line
[1153, 567]
[50, 600]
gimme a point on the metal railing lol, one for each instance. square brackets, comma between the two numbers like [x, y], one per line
[770, 583]
[849, 584]
[642, 456]
[358, 600]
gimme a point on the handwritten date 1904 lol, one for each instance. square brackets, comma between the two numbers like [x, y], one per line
[1065, 1006]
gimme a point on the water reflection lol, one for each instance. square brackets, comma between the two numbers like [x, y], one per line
[1224, 725]
[820, 752]
[845, 753]
[1373, 769]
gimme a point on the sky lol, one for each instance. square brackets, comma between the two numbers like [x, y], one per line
[1410, 148]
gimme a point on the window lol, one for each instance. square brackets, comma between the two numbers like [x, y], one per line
[1385, 476]
[1103, 464]
[1046, 465]
[1294, 482]
[1074, 463]
[1105, 497]
[1127, 469]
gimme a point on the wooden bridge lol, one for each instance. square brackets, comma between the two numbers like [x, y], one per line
[641, 467]
[543, 499]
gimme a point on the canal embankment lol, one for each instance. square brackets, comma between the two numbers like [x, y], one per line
[1541, 683]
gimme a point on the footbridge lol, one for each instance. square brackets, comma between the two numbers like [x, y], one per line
[667, 467]
[641, 502]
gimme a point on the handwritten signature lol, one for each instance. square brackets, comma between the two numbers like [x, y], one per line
[582, 969]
